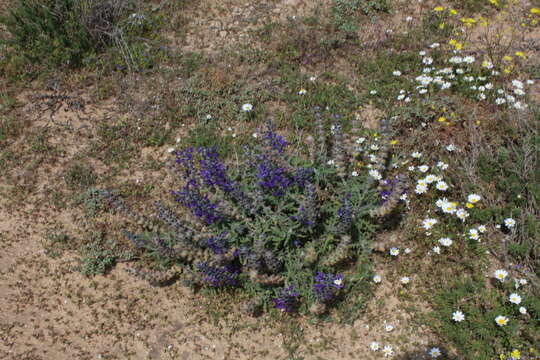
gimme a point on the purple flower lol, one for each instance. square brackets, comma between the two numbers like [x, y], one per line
[184, 159]
[218, 276]
[218, 244]
[200, 205]
[287, 299]
[327, 286]
[272, 177]
[344, 216]
[389, 187]
[302, 176]
[273, 140]
[213, 171]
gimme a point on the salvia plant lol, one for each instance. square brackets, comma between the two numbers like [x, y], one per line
[287, 229]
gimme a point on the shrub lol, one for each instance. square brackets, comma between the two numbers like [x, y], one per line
[284, 228]
[99, 256]
[64, 32]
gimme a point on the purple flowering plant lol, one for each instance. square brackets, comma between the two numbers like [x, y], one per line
[268, 219]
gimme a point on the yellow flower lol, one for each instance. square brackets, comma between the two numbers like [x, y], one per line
[459, 46]
[507, 58]
[477, 122]
[494, 2]
[441, 26]
[507, 70]
[469, 205]
[393, 142]
[516, 354]
[534, 22]
[441, 119]
[535, 11]
[502, 356]
[520, 54]
[452, 12]
[468, 21]
[483, 21]
[452, 42]
[438, 8]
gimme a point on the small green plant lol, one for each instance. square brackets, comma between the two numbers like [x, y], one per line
[346, 12]
[99, 256]
[79, 176]
[56, 243]
[91, 202]
[96, 259]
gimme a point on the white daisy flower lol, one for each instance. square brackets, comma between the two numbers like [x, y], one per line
[354, 173]
[388, 351]
[519, 92]
[449, 207]
[442, 165]
[430, 178]
[442, 186]
[377, 279]
[473, 198]
[421, 188]
[405, 280]
[247, 107]
[482, 228]
[523, 282]
[375, 174]
[374, 346]
[462, 214]
[501, 320]
[388, 327]
[394, 251]
[423, 168]
[302, 91]
[522, 310]
[517, 83]
[445, 241]
[435, 352]
[500, 274]
[360, 140]
[396, 73]
[509, 222]
[416, 155]
[436, 250]
[450, 148]
[427, 60]
[458, 316]
[473, 234]
[429, 223]
[515, 298]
